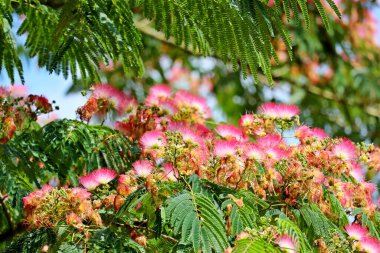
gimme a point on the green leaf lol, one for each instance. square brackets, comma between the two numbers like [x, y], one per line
[252, 245]
[197, 220]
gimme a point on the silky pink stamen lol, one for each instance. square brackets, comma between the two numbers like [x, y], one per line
[142, 168]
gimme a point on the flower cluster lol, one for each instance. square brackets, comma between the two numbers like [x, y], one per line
[103, 99]
[170, 129]
[254, 155]
[97, 177]
[49, 206]
[17, 109]
[362, 240]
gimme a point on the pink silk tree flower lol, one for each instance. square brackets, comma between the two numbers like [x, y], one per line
[104, 175]
[357, 172]
[142, 168]
[157, 94]
[120, 101]
[345, 150]
[89, 182]
[186, 99]
[224, 148]
[282, 111]
[252, 151]
[356, 231]
[246, 120]
[286, 244]
[304, 132]
[230, 132]
[370, 245]
[152, 140]
[267, 141]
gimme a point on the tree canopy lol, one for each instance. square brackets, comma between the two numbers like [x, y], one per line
[66, 35]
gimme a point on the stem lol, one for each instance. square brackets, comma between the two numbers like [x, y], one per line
[144, 26]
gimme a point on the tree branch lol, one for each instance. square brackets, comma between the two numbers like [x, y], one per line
[145, 27]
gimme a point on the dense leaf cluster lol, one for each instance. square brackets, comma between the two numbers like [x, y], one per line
[68, 36]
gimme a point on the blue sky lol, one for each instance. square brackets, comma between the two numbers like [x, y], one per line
[40, 82]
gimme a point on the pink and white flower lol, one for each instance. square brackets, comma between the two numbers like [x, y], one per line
[187, 133]
[286, 244]
[356, 231]
[357, 172]
[89, 182]
[282, 111]
[188, 100]
[267, 141]
[97, 177]
[32, 199]
[152, 140]
[225, 148]
[157, 94]
[276, 153]
[142, 168]
[304, 132]
[18, 90]
[370, 245]
[230, 132]
[345, 150]
[104, 175]
[252, 151]
[169, 106]
[246, 120]
[119, 100]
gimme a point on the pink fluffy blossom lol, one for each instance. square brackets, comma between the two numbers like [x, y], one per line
[252, 151]
[286, 244]
[33, 197]
[246, 120]
[18, 90]
[188, 134]
[225, 148]
[230, 132]
[357, 172]
[120, 101]
[188, 100]
[80, 193]
[356, 231]
[104, 175]
[97, 177]
[370, 245]
[152, 140]
[269, 141]
[89, 182]
[282, 111]
[304, 132]
[157, 94]
[345, 150]
[142, 168]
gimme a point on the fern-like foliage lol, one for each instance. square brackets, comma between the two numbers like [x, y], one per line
[86, 147]
[32, 241]
[295, 232]
[320, 226]
[198, 221]
[77, 35]
[253, 246]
